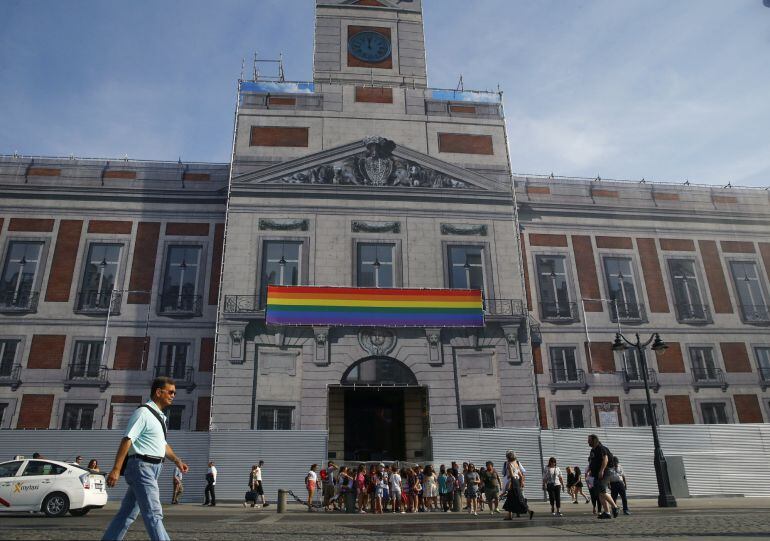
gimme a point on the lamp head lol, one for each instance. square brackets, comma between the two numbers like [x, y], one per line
[618, 344]
[658, 344]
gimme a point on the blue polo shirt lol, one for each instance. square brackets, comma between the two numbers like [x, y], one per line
[145, 432]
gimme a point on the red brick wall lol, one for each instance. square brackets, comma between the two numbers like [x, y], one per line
[196, 176]
[31, 224]
[63, 266]
[463, 143]
[605, 193]
[542, 413]
[747, 407]
[671, 360]
[609, 400]
[187, 229]
[355, 62]
[716, 277]
[727, 199]
[653, 278]
[35, 411]
[622, 243]
[665, 196]
[735, 356]
[368, 94]
[117, 173]
[43, 172]
[600, 357]
[46, 351]
[111, 227]
[737, 247]
[537, 359]
[586, 270]
[143, 265]
[206, 363]
[281, 100]
[128, 353]
[677, 245]
[278, 136]
[538, 190]
[679, 409]
[546, 239]
[202, 415]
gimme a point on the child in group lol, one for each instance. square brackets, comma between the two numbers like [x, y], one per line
[379, 492]
[396, 491]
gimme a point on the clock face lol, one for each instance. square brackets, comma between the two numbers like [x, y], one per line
[369, 46]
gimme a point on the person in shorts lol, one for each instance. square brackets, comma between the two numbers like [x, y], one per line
[598, 463]
[472, 482]
[491, 482]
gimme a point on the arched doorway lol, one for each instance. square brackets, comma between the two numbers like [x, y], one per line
[377, 412]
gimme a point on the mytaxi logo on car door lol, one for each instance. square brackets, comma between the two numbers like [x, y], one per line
[19, 487]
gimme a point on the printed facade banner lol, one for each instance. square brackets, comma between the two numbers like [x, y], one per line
[365, 307]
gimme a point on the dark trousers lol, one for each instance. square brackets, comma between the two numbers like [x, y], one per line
[619, 488]
[209, 493]
[554, 496]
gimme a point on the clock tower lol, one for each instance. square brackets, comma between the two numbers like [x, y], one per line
[377, 41]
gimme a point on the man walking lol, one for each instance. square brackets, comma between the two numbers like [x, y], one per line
[260, 489]
[178, 486]
[598, 463]
[142, 451]
[211, 480]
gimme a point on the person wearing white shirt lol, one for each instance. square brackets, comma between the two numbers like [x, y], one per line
[211, 480]
[311, 482]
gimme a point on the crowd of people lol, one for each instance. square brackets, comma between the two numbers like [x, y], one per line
[389, 488]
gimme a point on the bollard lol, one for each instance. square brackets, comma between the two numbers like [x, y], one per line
[457, 502]
[281, 507]
[350, 502]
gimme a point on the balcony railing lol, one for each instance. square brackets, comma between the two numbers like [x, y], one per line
[504, 307]
[555, 312]
[693, 313]
[243, 304]
[183, 376]
[10, 376]
[708, 378]
[18, 301]
[86, 375]
[569, 378]
[764, 377]
[627, 312]
[633, 379]
[756, 313]
[98, 302]
[172, 304]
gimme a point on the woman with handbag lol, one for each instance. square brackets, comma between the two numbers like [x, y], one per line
[515, 502]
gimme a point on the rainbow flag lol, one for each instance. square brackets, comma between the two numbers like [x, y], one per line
[363, 306]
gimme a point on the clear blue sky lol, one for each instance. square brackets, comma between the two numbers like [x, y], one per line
[661, 89]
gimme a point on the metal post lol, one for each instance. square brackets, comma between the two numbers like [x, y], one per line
[665, 497]
[281, 507]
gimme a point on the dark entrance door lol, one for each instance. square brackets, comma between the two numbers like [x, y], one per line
[374, 424]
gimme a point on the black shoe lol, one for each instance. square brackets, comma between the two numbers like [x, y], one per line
[604, 516]
[614, 512]
[204, 504]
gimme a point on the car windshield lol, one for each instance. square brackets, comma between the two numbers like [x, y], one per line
[9, 469]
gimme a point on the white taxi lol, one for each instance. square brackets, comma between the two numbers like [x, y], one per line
[50, 487]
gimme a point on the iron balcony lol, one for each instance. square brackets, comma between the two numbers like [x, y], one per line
[172, 304]
[693, 313]
[758, 314]
[569, 378]
[86, 375]
[627, 312]
[633, 379]
[18, 301]
[10, 376]
[98, 302]
[182, 375]
[559, 312]
[708, 378]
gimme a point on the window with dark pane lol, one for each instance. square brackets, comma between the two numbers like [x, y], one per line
[466, 267]
[554, 291]
[714, 413]
[173, 359]
[274, 417]
[375, 265]
[687, 295]
[750, 291]
[100, 275]
[18, 279]
[569, 417]
[86, 360]
[564, 364]
[621, 288]
[180, 281]
[478, 416]
[7, 356]
[175, 413]
[640, 416]
[78, 417]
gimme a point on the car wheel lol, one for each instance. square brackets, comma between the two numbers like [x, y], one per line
[56, 505]
[79, 512]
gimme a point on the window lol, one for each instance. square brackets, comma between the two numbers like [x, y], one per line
[3, 409]
[704, 367]
[100, 276]
[175, 413]
[87, 359]
[379, 371]
[632, 364]
[172, 361]
[554, 292]
[78, 417]
[281, 263]
[621, 288]
[569, 417]
[763, 362]
[39, 467]
[466, 267]
[640, 416]
[18, 278]
[375, 265]
[9, 469]
[180, 282]
[274, 417]
[714, 413]
[687, 297]
[563, 364]
[479, 416]
[750, 294]
[7, 357]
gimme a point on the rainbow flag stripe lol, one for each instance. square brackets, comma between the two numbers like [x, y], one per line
[363, 306]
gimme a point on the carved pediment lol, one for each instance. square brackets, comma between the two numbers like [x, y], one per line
[376, 162]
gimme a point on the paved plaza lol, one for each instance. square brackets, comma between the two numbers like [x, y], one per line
[726, 518]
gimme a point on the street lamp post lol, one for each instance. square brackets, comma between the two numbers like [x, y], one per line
[665, 497]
